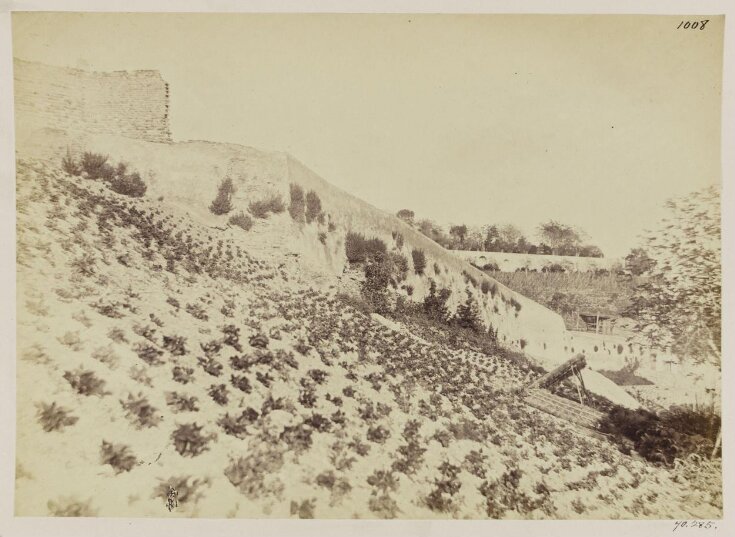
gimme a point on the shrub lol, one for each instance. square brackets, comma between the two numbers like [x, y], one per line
[222, 203]
[383, 481]
[313, 206]
[249, 473]
[435, 303]
[317, 375]
[662, 438]
[259, 341]
[445, 487]
[307, 397]
[54, 418]
[211, 348]
[374, 288]
[272, 204]
[297, 437]
[189, 440]
[129, 185]
[358, 249]
[241, 382]
[107, 356]
[383, 506]
[198, 312]
[241, 220]
[237, 426]
[140, 412]
[176, 345]
[553, 267]
[118, 456]
[69, 507]
[218, 392]
[148, 353]
[86, 382]
[398, 237]
[181, 403]
[96, 167]
[296, 207]
[400, 265]
[419, 260]
[304, 510]
[625, 377]
[211, 366]
[378, 434]
[70, 166]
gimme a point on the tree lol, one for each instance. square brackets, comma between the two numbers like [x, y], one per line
[492, 239]
[563, 239]
[407, 215]
[474, 239]
[637, 262]
[222, 204]
[521, 246]
[459, 233]
[468, 314]
[509, 237]
[679, 306]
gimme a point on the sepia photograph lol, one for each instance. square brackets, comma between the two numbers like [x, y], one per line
[407, 266]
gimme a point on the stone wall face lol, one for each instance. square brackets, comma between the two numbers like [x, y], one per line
[132, 104]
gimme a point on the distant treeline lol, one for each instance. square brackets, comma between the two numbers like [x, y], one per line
[554, 238]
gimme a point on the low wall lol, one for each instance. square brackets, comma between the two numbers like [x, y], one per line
[508, 262]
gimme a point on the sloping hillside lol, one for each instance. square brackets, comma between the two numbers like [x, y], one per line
[161, 350]
[185, 176]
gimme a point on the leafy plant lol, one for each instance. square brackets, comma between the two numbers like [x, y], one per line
[176, 345]
[86, 382]
[218, 392]
[55, 418]
[189, 440]
[237, 426]
[140, 412]
[118, 456]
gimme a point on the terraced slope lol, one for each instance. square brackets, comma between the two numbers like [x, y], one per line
[158, 352]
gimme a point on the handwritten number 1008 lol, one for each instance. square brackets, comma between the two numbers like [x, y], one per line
[692, 25]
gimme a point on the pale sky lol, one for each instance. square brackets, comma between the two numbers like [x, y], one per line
[590, 120]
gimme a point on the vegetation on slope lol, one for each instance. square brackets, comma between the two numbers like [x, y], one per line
[159, 353]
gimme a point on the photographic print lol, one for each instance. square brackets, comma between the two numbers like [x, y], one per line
[368, 266]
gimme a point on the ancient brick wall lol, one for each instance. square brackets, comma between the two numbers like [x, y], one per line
[129, 103]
